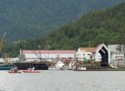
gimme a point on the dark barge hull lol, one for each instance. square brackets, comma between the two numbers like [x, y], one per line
[38, 66]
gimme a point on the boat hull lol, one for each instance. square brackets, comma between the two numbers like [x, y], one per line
[80, 69]
[13, 72]
[28, 71]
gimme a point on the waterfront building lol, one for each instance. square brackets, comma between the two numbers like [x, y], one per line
[46, 55]
[101, 53]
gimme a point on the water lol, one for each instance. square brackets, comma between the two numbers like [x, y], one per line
[63, 81]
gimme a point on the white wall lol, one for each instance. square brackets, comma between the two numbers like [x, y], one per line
[115, 53]
[97, 57]
[82, 55]
[117, 56]
[49, 55]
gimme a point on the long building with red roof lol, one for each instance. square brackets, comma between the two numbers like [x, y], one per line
[47, 54]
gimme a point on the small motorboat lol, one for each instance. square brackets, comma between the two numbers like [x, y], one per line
[51, 68]
[14, 70]
[80, 69]
[31, 70]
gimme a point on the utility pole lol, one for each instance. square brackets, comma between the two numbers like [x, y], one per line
[89, 44]
[48, 46]
[89, 41]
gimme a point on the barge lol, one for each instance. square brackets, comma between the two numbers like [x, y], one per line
[26, 65]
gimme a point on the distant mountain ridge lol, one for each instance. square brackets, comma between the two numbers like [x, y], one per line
[33, 19]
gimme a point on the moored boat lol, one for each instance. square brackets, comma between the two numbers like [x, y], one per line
[80, 69]
[14, 70]
[31, 70]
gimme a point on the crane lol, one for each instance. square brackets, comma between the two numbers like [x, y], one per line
[2, 41]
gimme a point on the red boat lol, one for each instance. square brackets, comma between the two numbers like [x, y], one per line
[14, 71]
[31, 71]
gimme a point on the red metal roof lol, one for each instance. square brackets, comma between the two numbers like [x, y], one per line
[88, 49]
[91, 49]
[48, 51]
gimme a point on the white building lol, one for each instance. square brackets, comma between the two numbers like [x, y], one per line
[100, 54]
[117, 52]
[46, 54]
[85, 53]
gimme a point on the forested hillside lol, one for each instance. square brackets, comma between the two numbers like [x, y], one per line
[102, 26]
[33, 19]
[106, 26]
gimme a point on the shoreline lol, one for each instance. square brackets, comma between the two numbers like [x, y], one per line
[105, 69]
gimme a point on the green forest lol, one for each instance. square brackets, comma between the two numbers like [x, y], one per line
[101, 26]
[33, 19]
[105, 26]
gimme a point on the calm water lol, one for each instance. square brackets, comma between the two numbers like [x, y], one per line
[63, 81]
